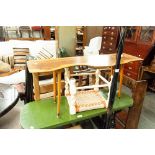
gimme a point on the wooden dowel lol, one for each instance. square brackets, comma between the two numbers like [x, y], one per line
[120, 80]
[54, 85]
[112, 71]
[92, 86]
[36, 86]
[102, 78]
[59, 93]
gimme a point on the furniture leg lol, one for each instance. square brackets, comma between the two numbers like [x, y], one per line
[111, 73]
[97, 79]
[36, 86]
[54, 85]
[59, 93]
[135, 111]
[120, 80]
[141, 74]
[67, 76]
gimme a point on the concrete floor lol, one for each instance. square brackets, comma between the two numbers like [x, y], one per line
[147, 119]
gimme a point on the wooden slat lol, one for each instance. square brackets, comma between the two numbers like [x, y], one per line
[20, 53]
[46, 88]
[45, 73]
[49, 87]
[20, 61]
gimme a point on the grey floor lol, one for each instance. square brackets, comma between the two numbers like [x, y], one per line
[147, 120]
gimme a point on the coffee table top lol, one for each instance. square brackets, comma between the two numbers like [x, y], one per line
[8, 98]
[97, 61]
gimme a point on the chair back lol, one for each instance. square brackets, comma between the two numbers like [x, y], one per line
[95, 43]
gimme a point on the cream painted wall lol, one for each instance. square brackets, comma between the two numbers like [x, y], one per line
[67, 38]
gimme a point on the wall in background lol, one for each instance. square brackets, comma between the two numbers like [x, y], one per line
[93, 31]
[67, 38]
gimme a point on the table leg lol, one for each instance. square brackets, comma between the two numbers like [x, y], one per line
[54, 85]
[59, 93]
[120, 80]
[36, 86]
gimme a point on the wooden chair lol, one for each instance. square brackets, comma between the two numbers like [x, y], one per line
[19, 57]
[37, 31]
[25, 31]
[89, 97]
[39, 86]
[43, 85]
[11, 32]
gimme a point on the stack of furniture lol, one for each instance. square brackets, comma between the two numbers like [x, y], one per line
[28, 33]
[20, 55]
[48, 114]
[139, 42]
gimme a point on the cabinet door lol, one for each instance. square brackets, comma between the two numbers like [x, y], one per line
[131, 33]
[130, 48]
[146, 34]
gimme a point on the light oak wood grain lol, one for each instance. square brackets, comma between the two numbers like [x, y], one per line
[97, 61]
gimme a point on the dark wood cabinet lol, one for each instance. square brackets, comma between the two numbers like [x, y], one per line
[109, 39]
[139, 42]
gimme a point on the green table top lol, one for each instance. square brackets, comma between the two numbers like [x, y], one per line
[42, 114]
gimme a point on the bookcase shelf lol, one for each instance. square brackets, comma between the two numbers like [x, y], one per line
[80, 39]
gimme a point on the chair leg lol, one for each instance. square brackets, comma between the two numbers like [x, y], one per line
[54, 85]
[120, 80]
[59, 93]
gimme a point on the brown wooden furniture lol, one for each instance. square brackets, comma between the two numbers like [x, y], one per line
[20, 59]
[139, 42]
[147, 72]
[56, 65]
[8, 73]
[109, 39]
[49, 34]
[129, 118]
[44, 88]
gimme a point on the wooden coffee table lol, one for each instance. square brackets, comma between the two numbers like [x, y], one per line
[8, 98]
